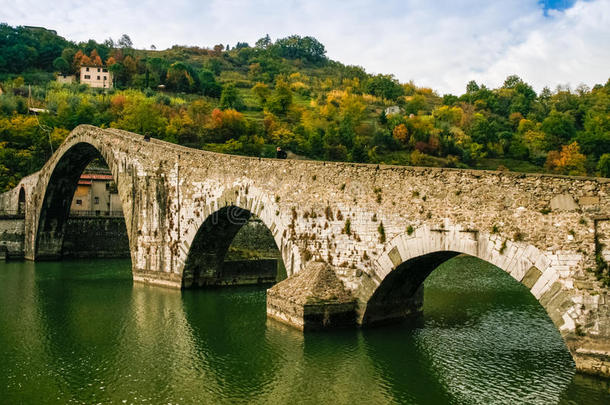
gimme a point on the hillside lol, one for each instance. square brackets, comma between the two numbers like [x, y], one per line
[248, 99]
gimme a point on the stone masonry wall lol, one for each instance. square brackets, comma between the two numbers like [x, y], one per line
[92, 237]
[12, 234]
[361, 219]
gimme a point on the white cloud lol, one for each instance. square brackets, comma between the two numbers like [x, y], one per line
[440, 44]
[571, 47]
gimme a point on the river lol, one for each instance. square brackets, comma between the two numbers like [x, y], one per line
[82, 332]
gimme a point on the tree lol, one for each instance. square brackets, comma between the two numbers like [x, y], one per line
[604, 165]
[208, 84]
[68, 55]
[281, 99]
[295, 47]
[263, 42]
[62, 65]
[511, 81]
[109, 43]
[95, 58]
[80, 59]
[262, 93]
[214, 65]
[119, 73]
[559, 126]
[217, 51]
[446, 117]
[125, 42]
[142, 116]
[568, 161]
[385, 86]
[181, 77]
[230, 98]
[472, 87]
[227, 124]
[401, 134]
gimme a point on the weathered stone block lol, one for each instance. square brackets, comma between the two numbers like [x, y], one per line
[563, 202]
[588, 200]
[312, 299]
[395, 257]
[530, 278]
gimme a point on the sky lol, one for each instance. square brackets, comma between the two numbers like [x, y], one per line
[442, 44]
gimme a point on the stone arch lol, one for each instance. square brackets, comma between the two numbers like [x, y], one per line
[396, 288]
[45, 225]
[21, 202]
[211, 237]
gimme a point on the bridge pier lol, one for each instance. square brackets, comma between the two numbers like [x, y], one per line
[312, 299]
[591, 354]
[315, 298]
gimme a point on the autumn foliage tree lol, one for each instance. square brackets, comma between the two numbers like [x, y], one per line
[401, 134]
[225, 125]
[95, 58]
[568, 161]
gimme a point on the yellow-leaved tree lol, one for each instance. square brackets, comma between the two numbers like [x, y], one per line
[568, 161]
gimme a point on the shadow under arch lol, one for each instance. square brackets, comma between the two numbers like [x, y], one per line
[397, 291]
[205, 263]
[21, 202]
[401, 293]
[58, 194]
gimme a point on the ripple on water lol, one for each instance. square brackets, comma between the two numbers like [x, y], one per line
[80, 332]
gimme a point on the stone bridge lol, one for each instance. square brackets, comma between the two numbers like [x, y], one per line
[357, 240]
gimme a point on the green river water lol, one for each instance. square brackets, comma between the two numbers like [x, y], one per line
[82, 332]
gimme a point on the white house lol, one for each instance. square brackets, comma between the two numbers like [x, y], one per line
[392, 110]
[96, 76]
[66, 79]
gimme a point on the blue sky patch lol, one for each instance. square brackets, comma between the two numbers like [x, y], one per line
[556, 4]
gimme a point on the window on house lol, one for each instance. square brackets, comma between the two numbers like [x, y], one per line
[96, 200]
[105, 78]
[87, 76]
[104, 70]
[79, 202]
[98, 78]
[87, 69]
[98, 69]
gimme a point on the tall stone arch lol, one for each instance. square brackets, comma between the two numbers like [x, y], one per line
[51, 197]
[427, 248]
[217, 222]
[395, 281]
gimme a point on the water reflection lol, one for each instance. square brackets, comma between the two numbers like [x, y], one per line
[81, 332]
[84, 307]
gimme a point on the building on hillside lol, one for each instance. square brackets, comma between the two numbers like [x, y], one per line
[39, 29]
[37, 111]
[96, 76]
[96, 194]
[66, 79]
[392, 110]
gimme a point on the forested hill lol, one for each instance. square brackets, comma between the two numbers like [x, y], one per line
[249, 98]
